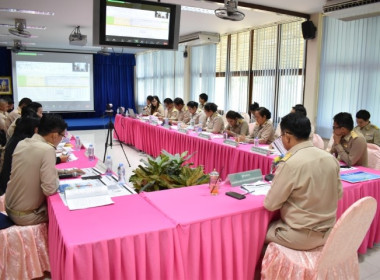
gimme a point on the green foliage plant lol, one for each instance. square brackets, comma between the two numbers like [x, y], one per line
[167, 171]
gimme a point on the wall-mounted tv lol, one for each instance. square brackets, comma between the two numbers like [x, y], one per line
[136, 23]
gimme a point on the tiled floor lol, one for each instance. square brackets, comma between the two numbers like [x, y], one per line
[369, 263]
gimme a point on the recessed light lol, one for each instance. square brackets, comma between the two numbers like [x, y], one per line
[9, 10]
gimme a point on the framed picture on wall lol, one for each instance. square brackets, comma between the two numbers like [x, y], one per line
[5, 85]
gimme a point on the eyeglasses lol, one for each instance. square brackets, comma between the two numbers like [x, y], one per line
[63, 135]
[336, 127]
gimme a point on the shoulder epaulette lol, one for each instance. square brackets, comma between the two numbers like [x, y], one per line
[286, 157]
[354, 134]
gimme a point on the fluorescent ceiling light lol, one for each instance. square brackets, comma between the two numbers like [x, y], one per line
[27, 27]
[27, 12]
[197, 10]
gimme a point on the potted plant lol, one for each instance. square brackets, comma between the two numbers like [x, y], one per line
[167, 171]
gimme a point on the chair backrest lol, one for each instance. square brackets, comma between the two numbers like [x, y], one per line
[251, 126]
[225, 120]
[245, 116]
[318, 141]
[348, 233]
[373, 156]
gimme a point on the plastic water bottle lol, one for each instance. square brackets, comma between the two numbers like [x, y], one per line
[91, 152]
[256, 142]
[225, 135]
[77, 143]
[192, 122]
[121, 173]
[108, 165]
[200, 127]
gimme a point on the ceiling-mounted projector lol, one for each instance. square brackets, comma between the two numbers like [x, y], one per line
[76, 38]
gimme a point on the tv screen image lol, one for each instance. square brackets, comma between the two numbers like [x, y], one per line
[136, 24]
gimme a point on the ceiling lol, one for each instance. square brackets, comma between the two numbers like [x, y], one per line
[70, 13]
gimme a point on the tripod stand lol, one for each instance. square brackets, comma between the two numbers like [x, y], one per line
[111, 127]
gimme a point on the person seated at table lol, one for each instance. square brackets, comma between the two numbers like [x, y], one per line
[147, 109]
[263, 129]
[156, 108]
[203, 97]
[196, 114]
[171, 112]
[33, 175]
[26, 126]
[214, 122]
[298, 108]
[236, 124]
[16, 113]
[370, 131]
[306, 196]
[183, 112]
[36, 107]
[348, 146]
[252, 108]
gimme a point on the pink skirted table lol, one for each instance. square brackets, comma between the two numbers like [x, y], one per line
[209, 153]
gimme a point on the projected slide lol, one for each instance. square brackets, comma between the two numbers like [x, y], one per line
[59, 81]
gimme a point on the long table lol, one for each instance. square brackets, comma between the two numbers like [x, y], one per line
[209, 153]
[174, 234]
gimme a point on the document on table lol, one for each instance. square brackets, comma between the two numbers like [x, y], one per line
[359, 176]
[257, 188]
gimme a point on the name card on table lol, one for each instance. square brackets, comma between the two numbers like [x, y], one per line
[183, 130]
[260, 150]
[231, 143]
[204, 136]
[251, 176]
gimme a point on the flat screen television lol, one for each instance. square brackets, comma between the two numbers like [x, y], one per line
[135, 23]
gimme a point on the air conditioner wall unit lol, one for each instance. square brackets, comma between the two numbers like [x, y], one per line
[347, 10]
[199, 38]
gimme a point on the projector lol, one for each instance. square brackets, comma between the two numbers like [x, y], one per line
[78, 40]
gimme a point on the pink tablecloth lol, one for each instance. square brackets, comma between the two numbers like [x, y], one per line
[209, 153]
[127, 240]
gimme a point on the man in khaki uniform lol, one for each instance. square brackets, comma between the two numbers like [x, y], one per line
[183, 113]
[203, 97]
[171, 113]
[348, 146]
[370, 131]
[214, 123]
[306, 196]
[33, 175]
[16, 113]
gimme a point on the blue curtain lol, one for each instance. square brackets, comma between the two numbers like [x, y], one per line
[113, 81]
[5, 65]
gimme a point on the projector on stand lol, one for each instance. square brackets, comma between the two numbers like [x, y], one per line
[76, 38]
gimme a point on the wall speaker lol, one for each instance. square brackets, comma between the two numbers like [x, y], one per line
[308, 30]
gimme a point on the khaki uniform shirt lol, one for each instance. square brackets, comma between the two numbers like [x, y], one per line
[171, 114]
[12, 116]
[160, 112]
[264, 132]
[352, 149]
[370, 132]
[306, 188]
[241, 128]
[215, 123]
[196, 116]
[184, 115]
[3, 119]
[200, 106]
[33, 177]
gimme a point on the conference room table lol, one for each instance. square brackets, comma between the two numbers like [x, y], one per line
[184, 233]
[212, 154]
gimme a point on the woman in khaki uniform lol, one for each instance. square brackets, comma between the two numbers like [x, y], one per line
[263, 129]
[147, 109]
[156, 107]
[214, 123]
[236, 124]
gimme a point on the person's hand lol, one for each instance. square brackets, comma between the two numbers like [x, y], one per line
[337, 139]
[64, 158]
[242, 138]
[230, 133]
[77, 171]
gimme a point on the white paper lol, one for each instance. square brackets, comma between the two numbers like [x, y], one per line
[257, 188]
[87, 197]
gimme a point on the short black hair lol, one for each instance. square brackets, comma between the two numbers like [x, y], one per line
[299, 108]
[178, 101]
[168, 101]
[211, 107]
[363, 114]
[24, 102]
[345, 120]
[254, 106]
[26, 125]
[150, 98]
[192, 104]
[233, 115]
[264, 112]
[297, 125]
[51, 123]
[203, 96]
[34, 106]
